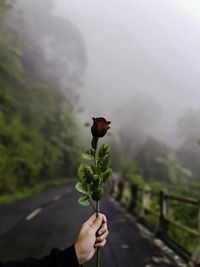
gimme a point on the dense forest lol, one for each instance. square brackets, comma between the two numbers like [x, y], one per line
[39, 133]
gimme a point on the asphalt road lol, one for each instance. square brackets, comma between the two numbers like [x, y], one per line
[52, 219]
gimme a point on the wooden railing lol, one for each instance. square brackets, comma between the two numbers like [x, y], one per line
[164, 199]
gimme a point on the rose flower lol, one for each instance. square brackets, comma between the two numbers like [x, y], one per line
[100, 127]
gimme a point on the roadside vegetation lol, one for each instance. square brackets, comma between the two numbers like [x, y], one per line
[182, 213]
[27, 191]
[40, 137]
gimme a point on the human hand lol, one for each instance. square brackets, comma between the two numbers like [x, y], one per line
[92, 235]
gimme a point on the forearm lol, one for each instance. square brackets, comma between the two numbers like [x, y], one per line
[57, 258]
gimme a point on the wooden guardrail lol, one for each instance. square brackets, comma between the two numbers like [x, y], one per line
[164, 199]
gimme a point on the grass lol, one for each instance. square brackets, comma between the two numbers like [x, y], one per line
[185, 214]
[27, 191]
[188, 241]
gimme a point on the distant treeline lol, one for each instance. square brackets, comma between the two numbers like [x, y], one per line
[39, 134]
[141, 152]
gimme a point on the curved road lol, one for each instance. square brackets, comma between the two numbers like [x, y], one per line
[51, 219]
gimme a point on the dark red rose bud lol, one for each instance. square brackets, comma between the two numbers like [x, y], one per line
[100, 127]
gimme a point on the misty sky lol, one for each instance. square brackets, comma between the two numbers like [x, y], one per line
[146, 46]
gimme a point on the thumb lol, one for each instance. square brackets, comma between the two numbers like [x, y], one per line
[97, 223]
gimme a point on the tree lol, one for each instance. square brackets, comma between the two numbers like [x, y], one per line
[176, 172]
[188, 129]
[39, 135]
[146, 160]
[5, 5]
[54, 46]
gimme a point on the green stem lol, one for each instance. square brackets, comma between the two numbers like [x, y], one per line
[92, 204]
[95, 157]
[98, 251]
[97, 207]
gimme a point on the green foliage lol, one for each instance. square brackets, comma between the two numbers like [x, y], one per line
[94, 175]
[39, 134]
[89, 154]
[104, 150]
[97, 194]
[130, 171]
[176, 172]
[27, 191]
[187, 215]
[85, 173]
[104, 162]
[82, 188]
[84, 201]
[5, 5]
[145, 159]
[182, 213]
[106, 175]
[179, 212]
[188, 152]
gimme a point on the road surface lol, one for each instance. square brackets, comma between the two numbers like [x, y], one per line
[53, 218]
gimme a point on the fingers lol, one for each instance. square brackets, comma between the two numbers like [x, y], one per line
[99, 220]
[97, 223]
[103, 228]
[102, 237]
[100, 245]
[91, 220]
[103, 217]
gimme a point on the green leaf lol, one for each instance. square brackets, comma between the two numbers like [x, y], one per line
[104, 163]
[107, 175]
[95, 182]
[94, 169]
[97, 194]
[84, 201]
[81, 188]
[85, 173]
[89, 154]
[104, 150]
[97, 177]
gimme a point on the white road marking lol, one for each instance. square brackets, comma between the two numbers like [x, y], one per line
[38, 210]
[33, 214]
[57, 197]
[124, 246]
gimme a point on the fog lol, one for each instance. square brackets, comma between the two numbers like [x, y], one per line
[145, 47]
[134, 62]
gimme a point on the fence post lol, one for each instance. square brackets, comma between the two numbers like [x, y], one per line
[195, 259]
[134, 195]
[120, 190]
[162, 227]
[146, 196]
[112, 186]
